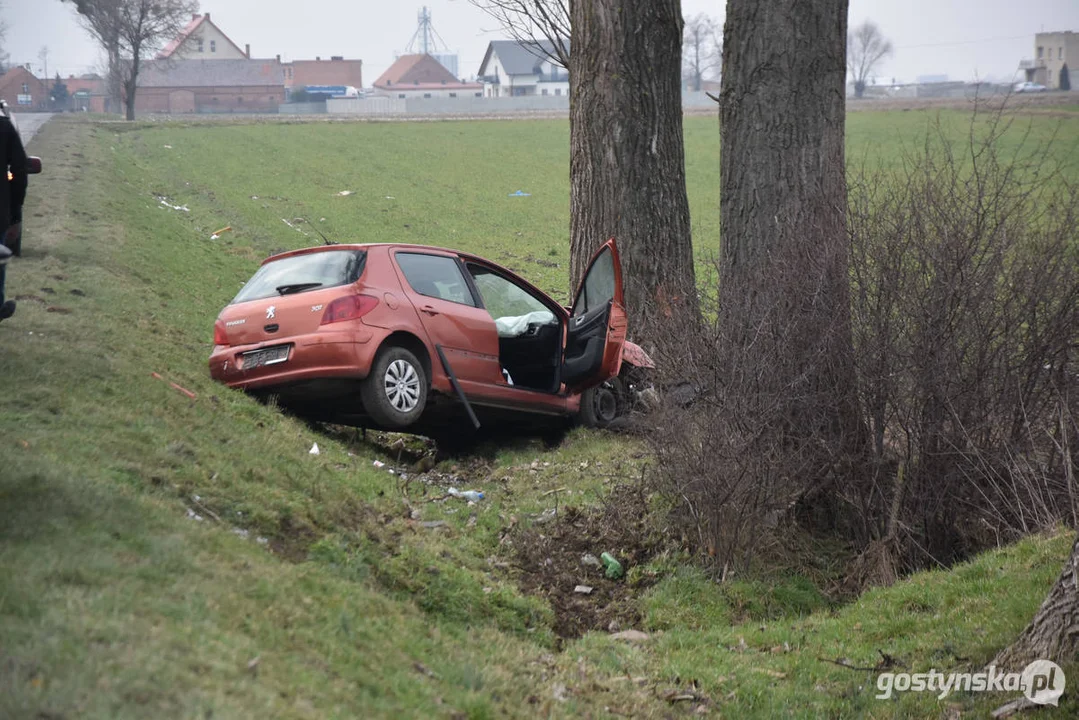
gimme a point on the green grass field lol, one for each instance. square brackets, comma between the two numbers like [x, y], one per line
[173, 557]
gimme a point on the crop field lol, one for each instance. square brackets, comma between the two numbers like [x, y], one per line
[173, 556]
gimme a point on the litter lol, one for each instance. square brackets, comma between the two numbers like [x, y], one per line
[583, 589]
[614, 568]
[168, 147]
[170, 206]
[313, 450]
[294, 227]
[470, 495]
[390, 197]
[378, 463]
[590, 559]
[345, 193]
[520, 193]
[630, 636]
[218, 233]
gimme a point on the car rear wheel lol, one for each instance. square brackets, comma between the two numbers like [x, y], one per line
[395, 392]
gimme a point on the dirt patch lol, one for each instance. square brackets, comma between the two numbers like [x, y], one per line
[554, 559]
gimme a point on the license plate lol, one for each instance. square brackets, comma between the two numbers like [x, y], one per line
[265, 356]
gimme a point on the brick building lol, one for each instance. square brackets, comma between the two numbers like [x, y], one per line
[188, 86]
[335, 71]
[422, 76]
[22, 91]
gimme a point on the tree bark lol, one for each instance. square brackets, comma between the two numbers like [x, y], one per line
[627, 160]
[1053, 634]
[784, 283]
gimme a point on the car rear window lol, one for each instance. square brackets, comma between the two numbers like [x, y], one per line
[301, 273]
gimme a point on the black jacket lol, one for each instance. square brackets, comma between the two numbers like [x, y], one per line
[13, 158]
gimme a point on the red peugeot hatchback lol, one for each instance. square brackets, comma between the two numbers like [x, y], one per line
[408, 336]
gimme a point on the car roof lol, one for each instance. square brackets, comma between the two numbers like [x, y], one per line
[369, 246]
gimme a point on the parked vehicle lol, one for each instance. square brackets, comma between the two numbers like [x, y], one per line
[1029, 87]
[419, 338]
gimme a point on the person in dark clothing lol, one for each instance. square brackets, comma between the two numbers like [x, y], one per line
[13, 160]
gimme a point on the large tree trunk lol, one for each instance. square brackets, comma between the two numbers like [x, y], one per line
[1053, 634]
[784, 284]
[627, 161]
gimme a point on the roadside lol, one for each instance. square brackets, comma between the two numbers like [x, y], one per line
[31, 123]
[184, 556]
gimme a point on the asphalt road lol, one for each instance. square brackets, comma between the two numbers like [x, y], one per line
[30, 123]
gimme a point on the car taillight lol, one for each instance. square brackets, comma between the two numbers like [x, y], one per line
[220, 337]
[352, 307]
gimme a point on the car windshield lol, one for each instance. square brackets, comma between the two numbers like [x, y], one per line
[301, 273]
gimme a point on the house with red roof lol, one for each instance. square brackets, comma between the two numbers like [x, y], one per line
[421, 76]
[22, 91]
[201, 39]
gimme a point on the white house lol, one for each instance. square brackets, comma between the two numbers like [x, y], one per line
[513, 69]
[203, 40]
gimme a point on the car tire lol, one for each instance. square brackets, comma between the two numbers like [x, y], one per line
[394, 393]
[603, 404]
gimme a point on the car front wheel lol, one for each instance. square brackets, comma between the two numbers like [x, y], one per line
[602, 405]
[395, 392]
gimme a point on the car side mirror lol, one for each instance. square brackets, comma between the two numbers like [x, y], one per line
[33, 165]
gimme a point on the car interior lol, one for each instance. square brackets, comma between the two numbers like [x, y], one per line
[529, 333]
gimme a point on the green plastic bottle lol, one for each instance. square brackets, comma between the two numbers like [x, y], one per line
[614, 568]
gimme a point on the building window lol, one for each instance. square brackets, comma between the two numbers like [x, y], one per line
[544, 91]
[240, 100]
[1050, 53]
[427, 95]
[25, 89]
[200, 44]
[558, 91]
[453, 94]
[1040, 51]
[401, 96]
[1060, 53]
[213, 46]
[479, 94]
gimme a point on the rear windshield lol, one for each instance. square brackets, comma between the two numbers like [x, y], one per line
[302, 273]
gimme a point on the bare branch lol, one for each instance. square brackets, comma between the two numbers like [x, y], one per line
[531, 22]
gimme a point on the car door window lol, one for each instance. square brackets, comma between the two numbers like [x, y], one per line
[513, 307]
[436, 276]
[599, 285]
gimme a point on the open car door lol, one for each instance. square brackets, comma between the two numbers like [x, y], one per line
[597, 323]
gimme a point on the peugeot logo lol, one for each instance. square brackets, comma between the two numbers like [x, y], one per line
[270, 312]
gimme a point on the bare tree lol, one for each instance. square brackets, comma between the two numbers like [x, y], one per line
[130, 29]
[784, 284]
[530, 21]
[866, 47]
[627, 161]
[701, 49]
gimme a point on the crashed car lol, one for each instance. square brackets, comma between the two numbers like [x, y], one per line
[425, 339]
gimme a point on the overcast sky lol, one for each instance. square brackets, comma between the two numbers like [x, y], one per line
[962, 39]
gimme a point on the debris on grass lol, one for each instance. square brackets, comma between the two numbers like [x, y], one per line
[520, 193]
[551, 556]
[218, 233]
[314, 450]
[182, 208]
[630, 636]
[583, 589]
[345, 193]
